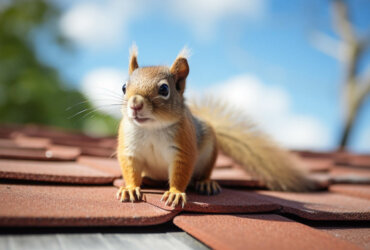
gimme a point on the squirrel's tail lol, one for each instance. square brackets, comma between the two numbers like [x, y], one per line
[239, 139]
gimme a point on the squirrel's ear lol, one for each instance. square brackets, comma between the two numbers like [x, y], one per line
[180, 70]
[133, 59]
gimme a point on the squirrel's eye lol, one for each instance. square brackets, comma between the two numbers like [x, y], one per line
[124, 88]
[163, 90]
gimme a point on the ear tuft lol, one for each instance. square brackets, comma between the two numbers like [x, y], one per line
[133, 59]
[184, 53]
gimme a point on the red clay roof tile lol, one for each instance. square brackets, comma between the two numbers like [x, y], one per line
[24, 153]
[320, 205]
[109, 165]
[33, 205]
[25, 142]
[223, 161]
[360, 161]
[63, 172]
[341, 174]
[52, 153]
[263, 231]
[314, 154]
[318, 164]
[62, 153]
[359, 236]
[361, 191]
[234, 177]
[97, 151]
[350, 159]
[228, 201]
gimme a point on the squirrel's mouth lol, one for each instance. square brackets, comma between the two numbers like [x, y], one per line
[141, 120]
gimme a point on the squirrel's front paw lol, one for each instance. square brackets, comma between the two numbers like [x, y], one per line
[207, 187]
[129, 194]
[173, 198]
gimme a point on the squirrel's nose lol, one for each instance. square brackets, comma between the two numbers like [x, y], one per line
[136, 102]
[137, 106]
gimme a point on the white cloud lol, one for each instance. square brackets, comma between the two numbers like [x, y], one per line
[270, 107]
[100, 24]
[103, 87]
[203, 15]
[97, 24]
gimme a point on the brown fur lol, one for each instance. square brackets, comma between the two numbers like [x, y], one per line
[182, 168]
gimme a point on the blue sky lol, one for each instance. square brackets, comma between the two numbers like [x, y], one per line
[262, 47]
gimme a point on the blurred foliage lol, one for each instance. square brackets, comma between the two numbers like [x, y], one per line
[30, 91]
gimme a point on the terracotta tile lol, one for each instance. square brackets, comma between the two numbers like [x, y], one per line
[350, 175]
[5, 131]
[7, 143]
[64, 172]
[263, 231]
[32, 205]
[223, 161]
[340, 170]
[65, 153]
[318, 164]
[62, 137]
[109, 142]
[234, 177]
[228, 201]
[358, 236]
[320, 205]
[322, 180]
[314, 154]
[51, 132]
[360, 161]
[109, 165]
[25, 142]
[350, 159]
[23, 153]
[361, 191]
[99, 152]
[56, 153]
[32, 142]
[119, 182]
[89, 146]
[82, 142]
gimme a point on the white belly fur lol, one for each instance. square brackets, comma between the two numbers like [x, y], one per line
[152, 148]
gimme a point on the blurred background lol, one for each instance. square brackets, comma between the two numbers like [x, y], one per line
[300, 69]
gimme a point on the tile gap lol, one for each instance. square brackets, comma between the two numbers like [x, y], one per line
[161, 228]
[326, 223]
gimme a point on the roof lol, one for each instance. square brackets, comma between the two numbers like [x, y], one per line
[53, 178]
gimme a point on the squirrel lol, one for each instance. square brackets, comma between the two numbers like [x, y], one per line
[163, 138]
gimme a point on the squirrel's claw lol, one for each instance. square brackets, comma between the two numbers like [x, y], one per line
[173, 198]
[129, 194]
[207, 187]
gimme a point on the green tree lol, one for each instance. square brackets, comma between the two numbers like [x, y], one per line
[30, 91]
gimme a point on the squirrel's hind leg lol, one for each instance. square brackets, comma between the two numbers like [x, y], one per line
[207, 187]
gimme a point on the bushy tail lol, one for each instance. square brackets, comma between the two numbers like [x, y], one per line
[238, 138]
